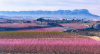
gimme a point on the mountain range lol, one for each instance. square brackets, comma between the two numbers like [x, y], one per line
[77, 13]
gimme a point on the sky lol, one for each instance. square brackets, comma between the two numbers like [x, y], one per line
[26, 5]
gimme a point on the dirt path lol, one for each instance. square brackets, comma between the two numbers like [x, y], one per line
[95, 38]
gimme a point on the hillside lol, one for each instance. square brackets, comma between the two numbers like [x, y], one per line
[78, 13]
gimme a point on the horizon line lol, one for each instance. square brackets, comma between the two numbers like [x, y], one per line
[42, 10]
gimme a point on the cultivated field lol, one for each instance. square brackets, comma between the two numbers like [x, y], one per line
[91, 23]
[47, 43]
[75, 25]
[18, 25]
[46, 29]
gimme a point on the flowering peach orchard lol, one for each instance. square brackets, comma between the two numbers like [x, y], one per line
[46, 29]
[18, 25]
[56, 42]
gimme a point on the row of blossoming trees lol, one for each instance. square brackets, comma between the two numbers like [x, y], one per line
[47, 42]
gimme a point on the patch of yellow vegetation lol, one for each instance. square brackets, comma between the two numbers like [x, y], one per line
[91, 23]
[86, 25]
[31, 32]
[95, 37]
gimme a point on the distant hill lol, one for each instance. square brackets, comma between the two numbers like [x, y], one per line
[78, 13]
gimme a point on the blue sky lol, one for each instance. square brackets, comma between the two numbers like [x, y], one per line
[19, 5]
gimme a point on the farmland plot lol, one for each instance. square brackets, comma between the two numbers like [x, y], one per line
[18, 25]
[75, 25]
[45, 42]
[46, 29]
